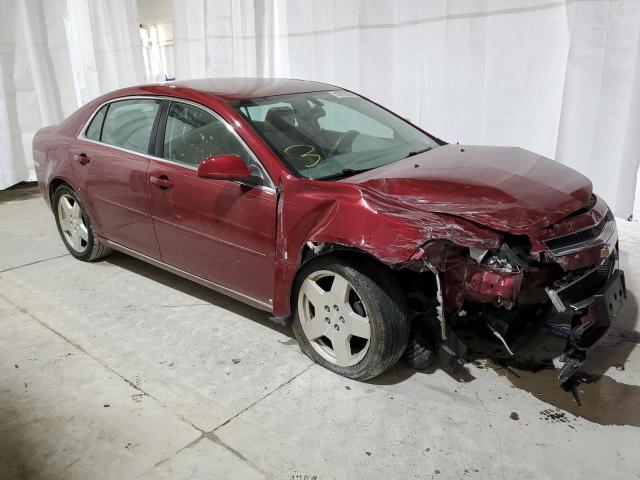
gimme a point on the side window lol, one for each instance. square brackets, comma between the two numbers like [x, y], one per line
[193, 135]
[341, 118]
[95, 127]
[128, 124]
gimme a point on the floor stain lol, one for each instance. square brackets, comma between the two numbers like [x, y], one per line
[137, 397]
[605, 401]
[554, 415]
[596, 396]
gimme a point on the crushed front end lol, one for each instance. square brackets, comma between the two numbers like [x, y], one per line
[571, 266]
[593, 289]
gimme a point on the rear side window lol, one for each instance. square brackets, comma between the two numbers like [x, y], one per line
[95, 127]
[128, 124]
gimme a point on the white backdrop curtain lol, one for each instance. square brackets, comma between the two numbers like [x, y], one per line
[55, 55]
[561, 78]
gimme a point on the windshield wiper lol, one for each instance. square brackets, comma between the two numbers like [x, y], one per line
[346, 172]
[411, 154]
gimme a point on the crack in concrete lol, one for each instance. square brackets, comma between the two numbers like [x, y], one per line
[182, 449]
[80, 348]
[34, 263]
[214, 438]
[262, 398]
[211, 436]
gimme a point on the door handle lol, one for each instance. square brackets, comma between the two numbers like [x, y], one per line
[82, 158]
[162, 181]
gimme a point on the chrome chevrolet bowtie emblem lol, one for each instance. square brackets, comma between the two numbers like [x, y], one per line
[605, 251]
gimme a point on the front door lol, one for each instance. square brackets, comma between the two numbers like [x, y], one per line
[222, 231]
[110, 165]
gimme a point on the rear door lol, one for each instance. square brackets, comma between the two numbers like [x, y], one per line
[220, 230]
[110, 162]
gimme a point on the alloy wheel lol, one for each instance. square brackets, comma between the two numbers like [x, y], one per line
[72, 223]
[333, 318]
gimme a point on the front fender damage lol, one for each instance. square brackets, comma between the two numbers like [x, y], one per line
[473, 274]
[336, 213]
[463, 280]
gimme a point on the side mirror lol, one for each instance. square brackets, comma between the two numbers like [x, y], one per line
[229, 167]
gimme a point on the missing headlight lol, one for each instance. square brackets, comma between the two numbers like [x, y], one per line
[504, 259]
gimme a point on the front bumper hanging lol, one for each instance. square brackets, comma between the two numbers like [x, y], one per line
[593, 314]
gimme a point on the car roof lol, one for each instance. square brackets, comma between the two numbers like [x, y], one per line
[247, 88]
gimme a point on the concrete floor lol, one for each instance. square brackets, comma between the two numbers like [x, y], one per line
[117, 369]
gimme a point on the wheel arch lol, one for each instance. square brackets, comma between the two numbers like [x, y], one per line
[409, 280]
[55, 183]
[61, 180]
[313, 251]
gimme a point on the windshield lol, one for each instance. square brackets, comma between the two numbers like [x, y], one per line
[328, 135]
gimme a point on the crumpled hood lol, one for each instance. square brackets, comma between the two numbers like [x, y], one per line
[504, 188]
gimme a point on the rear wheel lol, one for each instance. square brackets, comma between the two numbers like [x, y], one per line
[75, 227]
[350, 318]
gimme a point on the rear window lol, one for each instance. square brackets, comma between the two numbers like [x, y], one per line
[128, 124]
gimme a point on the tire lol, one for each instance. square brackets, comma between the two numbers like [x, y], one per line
[420, 352]
[370, 302]
[74, 226]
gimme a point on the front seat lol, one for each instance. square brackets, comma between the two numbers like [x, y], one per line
[281, 118]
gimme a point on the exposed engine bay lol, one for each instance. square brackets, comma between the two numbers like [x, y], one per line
[509, 291]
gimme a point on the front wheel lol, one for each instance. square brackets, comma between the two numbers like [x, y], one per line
[350, 318]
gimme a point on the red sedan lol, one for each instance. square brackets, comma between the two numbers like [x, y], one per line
[370, 236]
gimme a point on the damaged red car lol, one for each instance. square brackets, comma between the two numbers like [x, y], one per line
[368, 235]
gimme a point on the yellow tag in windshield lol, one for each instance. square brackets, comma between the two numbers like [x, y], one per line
[307, 152]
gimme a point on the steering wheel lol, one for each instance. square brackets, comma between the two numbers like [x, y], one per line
[344, 142]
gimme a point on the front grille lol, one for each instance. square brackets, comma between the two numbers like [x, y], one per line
[589, 283]
[579, 237]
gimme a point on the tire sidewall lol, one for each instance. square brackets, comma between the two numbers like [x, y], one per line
[66, 190]
[380, 299]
